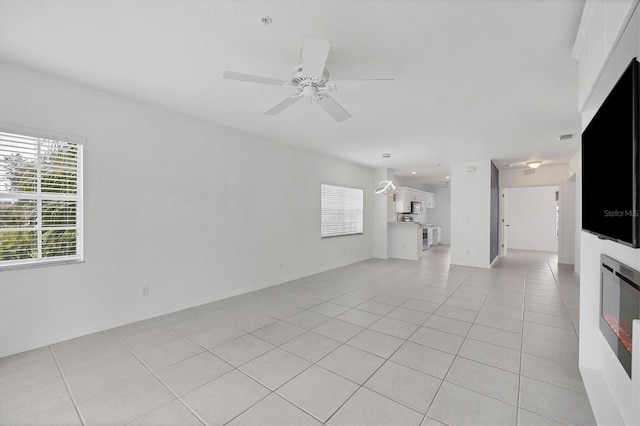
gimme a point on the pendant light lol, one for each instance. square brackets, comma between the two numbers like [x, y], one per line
[386, 187]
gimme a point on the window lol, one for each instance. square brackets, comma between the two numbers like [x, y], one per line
[40, 200]
[341, 210]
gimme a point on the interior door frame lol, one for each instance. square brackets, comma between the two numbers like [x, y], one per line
[504, 220]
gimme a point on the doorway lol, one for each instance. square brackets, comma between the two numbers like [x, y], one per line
[530, 218]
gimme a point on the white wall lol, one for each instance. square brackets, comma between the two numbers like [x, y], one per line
[606, 382]
[194, 210]
[531, 213]
[412, 182]
[441, 214]
[545, 175]
[577, 162]
[551, 175]
[567, 241]
[470, 213]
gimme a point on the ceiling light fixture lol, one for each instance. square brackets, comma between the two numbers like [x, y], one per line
[534, 164]
[447, 177]
[413, 173]
[386, 187]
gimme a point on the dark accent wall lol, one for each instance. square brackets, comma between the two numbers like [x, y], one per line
[494, 217]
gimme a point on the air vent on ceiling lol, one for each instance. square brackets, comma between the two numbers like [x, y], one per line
[565, 137]
[529, 171]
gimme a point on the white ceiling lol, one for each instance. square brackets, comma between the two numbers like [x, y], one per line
[475, 79]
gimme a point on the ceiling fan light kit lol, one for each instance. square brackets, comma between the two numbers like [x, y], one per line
[310, 79]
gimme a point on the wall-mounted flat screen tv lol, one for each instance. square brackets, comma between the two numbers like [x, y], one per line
[611, 164]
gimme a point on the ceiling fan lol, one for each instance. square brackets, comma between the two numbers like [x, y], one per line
[310, 79]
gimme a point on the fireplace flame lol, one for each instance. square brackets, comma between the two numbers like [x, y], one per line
[623, 335]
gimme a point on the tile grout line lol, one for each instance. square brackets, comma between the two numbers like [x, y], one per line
[426, 414]
[177, 397]
[564, 303]
[450, 295]
[372, 374]
[66, 384]
[575, 331]
[524, 295]
[234, 368]
[345, 343]
[275, 347]
[360, 386]
[522, 352]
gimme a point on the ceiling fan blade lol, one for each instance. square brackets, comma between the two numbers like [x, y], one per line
[286, 103]
[333, 108]
[362, 85]
[230, 75]
[314, 55]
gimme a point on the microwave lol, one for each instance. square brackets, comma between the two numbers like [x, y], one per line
[416, 207]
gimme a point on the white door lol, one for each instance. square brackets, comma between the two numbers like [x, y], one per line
[531, 218]
[504, 222]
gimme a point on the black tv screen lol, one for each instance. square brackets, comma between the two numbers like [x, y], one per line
[611, 164]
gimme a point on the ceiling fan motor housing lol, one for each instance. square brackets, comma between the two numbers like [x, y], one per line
[301, 79]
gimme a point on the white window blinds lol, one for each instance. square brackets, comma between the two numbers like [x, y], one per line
[341, 210]
[40, 200]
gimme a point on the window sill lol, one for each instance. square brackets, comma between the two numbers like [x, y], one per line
[40, 264]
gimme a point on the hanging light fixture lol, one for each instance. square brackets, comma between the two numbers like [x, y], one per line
[386, 187]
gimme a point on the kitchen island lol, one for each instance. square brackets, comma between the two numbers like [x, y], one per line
[405, 240]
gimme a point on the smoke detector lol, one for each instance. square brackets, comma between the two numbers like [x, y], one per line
[266, 20]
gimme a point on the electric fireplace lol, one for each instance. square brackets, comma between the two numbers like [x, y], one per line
[619, 306]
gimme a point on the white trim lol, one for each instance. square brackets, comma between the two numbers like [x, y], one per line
[583, 28]
[625, 22]
[474, 265]
[47, 261]
[635, 374]
[42, 134]
[80, 205]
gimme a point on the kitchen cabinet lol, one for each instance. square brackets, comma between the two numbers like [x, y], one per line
[422, 197]
[404, 196]
[430, 200]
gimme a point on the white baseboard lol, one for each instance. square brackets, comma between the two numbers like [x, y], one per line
[152, 314]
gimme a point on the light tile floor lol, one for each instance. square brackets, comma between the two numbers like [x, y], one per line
[379, 342]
